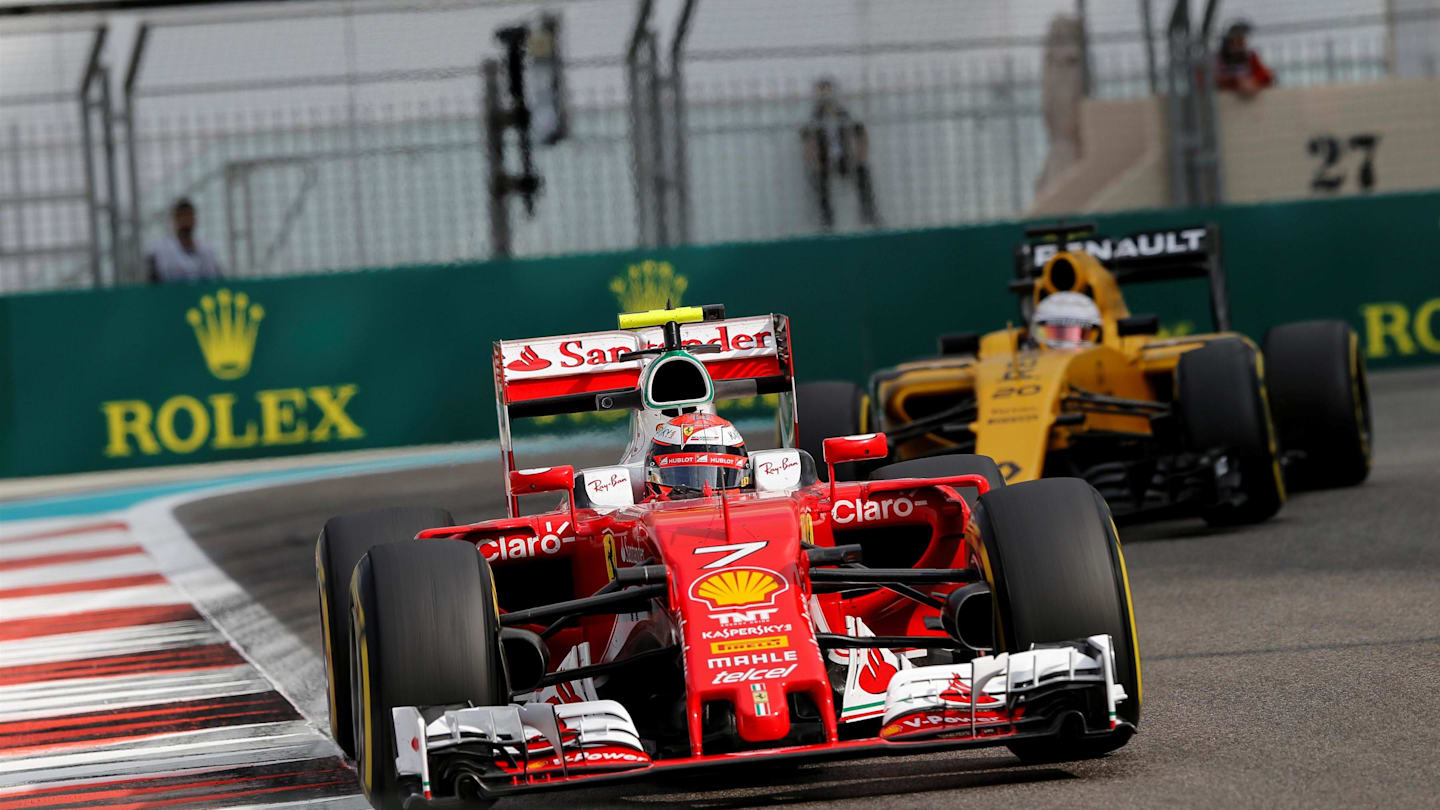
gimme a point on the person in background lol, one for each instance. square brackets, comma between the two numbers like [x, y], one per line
[1237, 67]
[837, 143]
[182, 257]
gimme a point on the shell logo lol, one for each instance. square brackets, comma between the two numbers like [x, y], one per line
[738, 587]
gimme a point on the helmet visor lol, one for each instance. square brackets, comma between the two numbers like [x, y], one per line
[698, 467]
[1065, 334]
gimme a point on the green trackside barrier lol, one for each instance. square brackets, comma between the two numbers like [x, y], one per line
[148, 376]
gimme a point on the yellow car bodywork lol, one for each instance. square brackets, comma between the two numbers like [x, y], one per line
[1021, 389]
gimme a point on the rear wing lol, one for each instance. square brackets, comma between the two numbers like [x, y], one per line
[593, 371]
[1159, 255]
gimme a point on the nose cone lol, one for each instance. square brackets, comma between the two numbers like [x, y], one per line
[744, 617]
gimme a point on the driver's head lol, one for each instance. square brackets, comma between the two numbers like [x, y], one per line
[1066, 320]
[695, 454]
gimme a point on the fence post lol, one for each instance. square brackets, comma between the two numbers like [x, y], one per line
[87, 135]
[1148, 26]
[357, 194]
[132, 160]
[492, 117]
[112, 208]
[1013, 114]
[1211, 177]
[658, 173]
[640, 154]
[1179, 83]
[1085, 78]
[681, 170]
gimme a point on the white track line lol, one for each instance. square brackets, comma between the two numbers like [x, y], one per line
[138, 690]
[259, 743]
[29, 607]
[111, 641]
[104, 568]
[21, 549]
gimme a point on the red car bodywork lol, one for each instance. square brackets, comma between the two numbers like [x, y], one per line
[740, 594]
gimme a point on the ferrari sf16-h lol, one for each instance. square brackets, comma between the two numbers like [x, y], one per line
[698, 604]
[1193, 424]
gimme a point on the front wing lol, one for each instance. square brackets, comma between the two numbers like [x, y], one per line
[501, 750]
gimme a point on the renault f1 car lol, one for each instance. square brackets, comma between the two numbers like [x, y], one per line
[620, 634]
[1161, 426]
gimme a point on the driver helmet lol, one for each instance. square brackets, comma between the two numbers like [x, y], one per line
[1066, 320]
[695, 454]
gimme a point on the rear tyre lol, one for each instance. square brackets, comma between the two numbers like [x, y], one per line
[342, 543]
[1320, 399]
[1222, 403]
[941, 466]
[424, 632]
[826, 410]
[1053, 562]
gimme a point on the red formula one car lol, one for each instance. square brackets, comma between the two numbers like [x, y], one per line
[698, 605]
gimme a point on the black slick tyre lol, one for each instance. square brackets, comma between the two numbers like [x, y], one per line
[826, 410]
[1222, 397]
[1320, 399]
[1054, 565]
[341, 544]
[424, 632]
[942, 466]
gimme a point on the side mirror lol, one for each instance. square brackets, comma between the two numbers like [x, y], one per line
[854, 448]
[1138, 325]
[608, 487]
[542, 479]
[545, 479]
[776, 470]
[959, 343]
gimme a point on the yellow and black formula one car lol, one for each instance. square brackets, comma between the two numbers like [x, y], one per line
[1203, 424]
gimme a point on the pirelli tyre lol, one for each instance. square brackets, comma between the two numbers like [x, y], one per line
[1055, 568]
[941, 466]
[341, 544]
[826, 410]
[1320, 400]
[1222, 397]
[424, 632]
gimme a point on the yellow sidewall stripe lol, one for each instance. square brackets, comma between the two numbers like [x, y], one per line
[1130, 615]
[367, 765]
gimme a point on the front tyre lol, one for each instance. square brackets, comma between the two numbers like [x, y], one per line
[341, 544]
[424, 632]
[1321, 402]
[943, 467]
[1053, 562]
[1222, 397]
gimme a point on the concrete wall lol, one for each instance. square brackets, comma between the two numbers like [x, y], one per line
[1290, 143]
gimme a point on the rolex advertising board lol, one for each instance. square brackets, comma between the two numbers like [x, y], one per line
[257, 367]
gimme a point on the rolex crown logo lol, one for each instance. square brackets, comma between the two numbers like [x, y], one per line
[648, 285]
[225, 327]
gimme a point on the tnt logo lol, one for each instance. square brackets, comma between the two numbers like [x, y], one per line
[744, 616]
